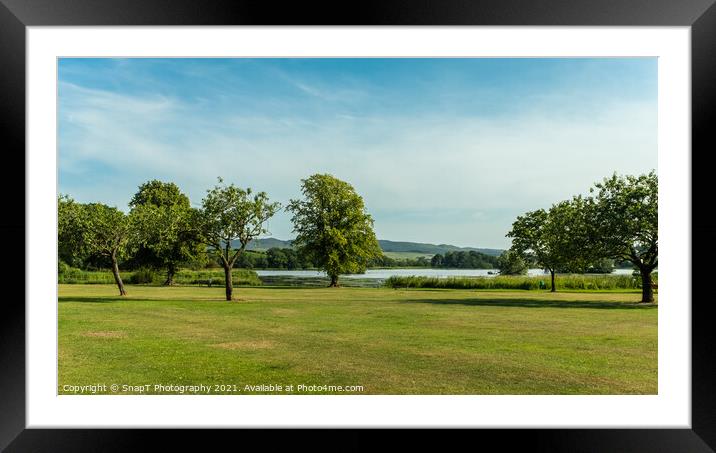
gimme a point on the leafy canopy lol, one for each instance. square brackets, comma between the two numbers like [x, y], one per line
[624, 218]
[231, 213]
[70, 231]
[161, 194]
[166, 224]
[555, 239]
[106, 230]
[333, 229]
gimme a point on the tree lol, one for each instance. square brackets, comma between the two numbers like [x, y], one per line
[511, 263]
[69, 231]
[229, 214]
[556, 239]
[623, 219]
[167, 225]
[106, 231]
[436, 260]
[89, 230]
[276, 258]
[333, 229]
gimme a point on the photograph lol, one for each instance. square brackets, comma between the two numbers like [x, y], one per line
[404, 220]
[357, 226]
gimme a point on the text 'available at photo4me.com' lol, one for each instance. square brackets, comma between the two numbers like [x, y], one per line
[206, 389]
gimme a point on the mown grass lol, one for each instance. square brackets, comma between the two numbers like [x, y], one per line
[215, 277]
[389, 341]
[588, 282]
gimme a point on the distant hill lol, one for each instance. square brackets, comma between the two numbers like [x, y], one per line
[387, 246]
[431, 249]
[265, 244]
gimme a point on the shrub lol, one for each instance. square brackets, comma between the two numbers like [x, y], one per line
[143, 276]
[62, 267]
[240, 277]
[73, 275]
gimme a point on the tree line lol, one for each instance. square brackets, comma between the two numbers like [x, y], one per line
[273, 258]
[618, 221]
[334, 233]
[464, 260]
[333, 230]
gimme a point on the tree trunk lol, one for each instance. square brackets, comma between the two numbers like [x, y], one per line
[554, 288]
[228, 283]
[334, 281]
[117, 278]
[170, 276]
[647, 292]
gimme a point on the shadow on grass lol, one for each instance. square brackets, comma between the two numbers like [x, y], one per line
[93, 299]
[113, 299]
[532, 303]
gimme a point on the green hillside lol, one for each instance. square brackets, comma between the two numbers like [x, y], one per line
[393, 248]
[431, 249]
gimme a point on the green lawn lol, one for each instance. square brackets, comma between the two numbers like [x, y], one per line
[388, 341]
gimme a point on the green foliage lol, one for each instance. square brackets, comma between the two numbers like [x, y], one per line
[511, 263]
[284, 258]
[333, 229]
[158, 193]
[388, 261]
[240, 277]
[91, 233]
[143, 276]
[72, 275]
[464, 260]
[555, 240]
[167, 227]
[106, 230]
[70, 229]
[230, 213]
[601, 266]
[624, 218]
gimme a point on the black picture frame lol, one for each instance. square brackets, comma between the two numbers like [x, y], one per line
[16, 15]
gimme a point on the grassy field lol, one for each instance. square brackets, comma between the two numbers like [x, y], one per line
[389, 341]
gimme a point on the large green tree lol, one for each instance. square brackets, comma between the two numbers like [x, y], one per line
[623, 218]
[333, 229]
[107, 231]
[167, 225]
[93, 229]
[555, 239]
[230, 213]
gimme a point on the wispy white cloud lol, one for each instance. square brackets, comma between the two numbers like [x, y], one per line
[467, 176]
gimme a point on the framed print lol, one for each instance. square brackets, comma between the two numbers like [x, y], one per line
[436, 217]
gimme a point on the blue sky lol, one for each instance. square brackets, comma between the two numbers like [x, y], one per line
[442, 150]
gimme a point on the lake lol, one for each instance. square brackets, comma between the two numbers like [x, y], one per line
[382, 274]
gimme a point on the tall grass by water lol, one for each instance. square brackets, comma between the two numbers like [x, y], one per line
[574, 281]
[207, 277]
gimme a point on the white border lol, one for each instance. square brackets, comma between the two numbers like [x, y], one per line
[670, 408]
